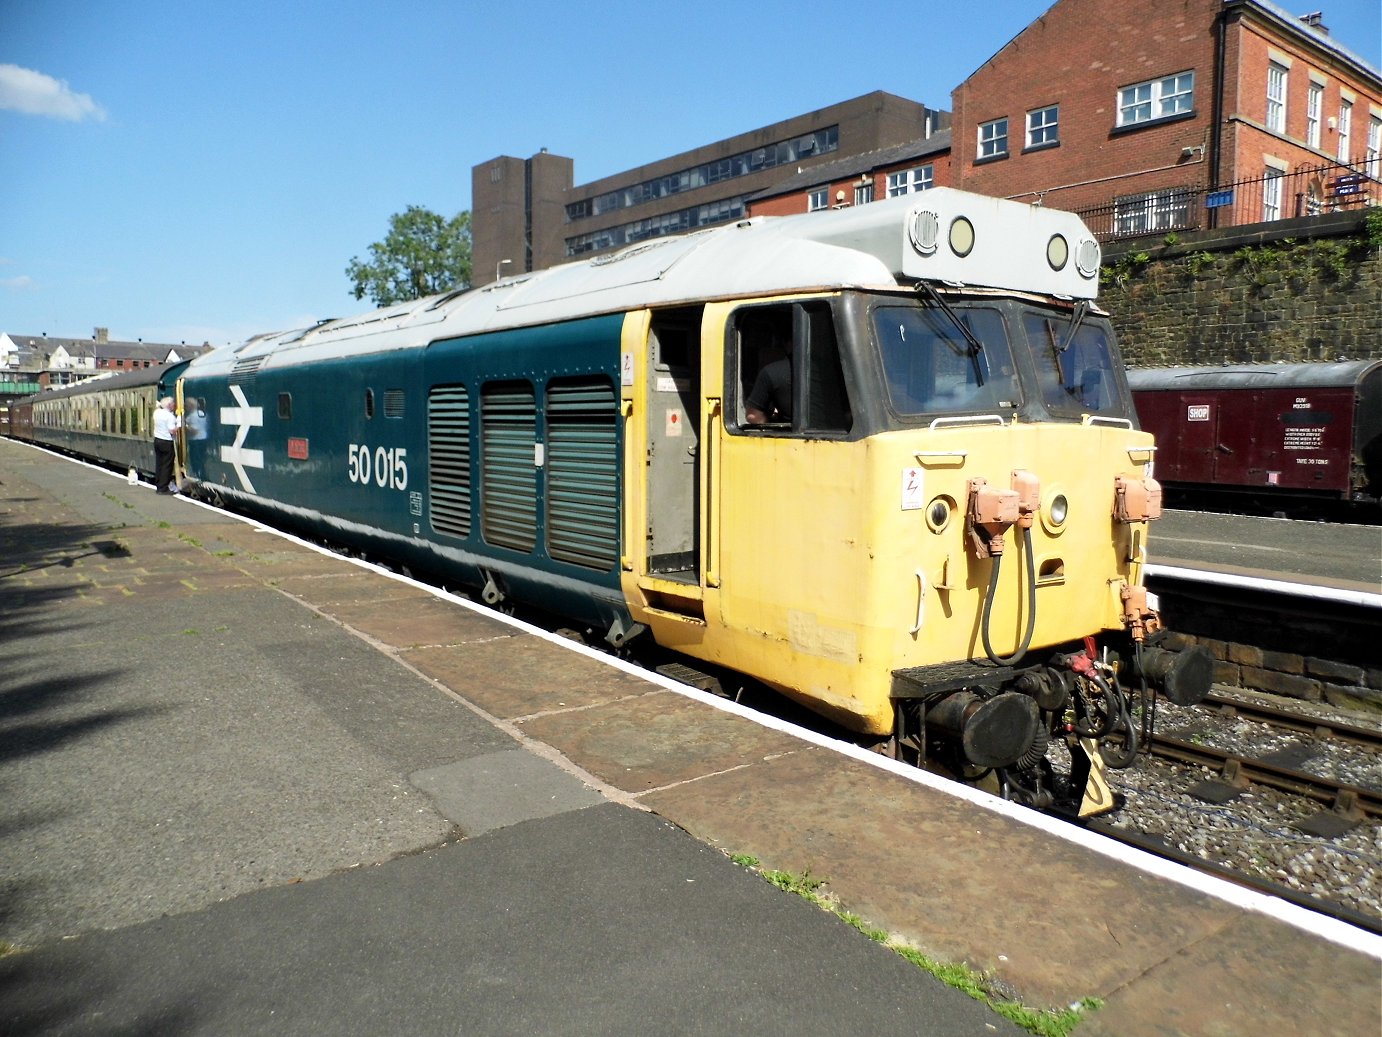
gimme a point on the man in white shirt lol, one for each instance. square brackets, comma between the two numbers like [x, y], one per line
[166, 425]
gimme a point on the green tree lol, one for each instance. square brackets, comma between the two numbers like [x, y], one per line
[423, 254]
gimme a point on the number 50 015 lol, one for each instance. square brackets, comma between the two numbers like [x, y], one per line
[387, 468]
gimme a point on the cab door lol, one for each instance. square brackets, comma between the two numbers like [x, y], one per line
[673, 446]
[663, 560]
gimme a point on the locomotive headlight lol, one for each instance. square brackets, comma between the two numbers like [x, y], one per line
[938, 513]
[1055, 510]
[961, 236]
[1057, 252]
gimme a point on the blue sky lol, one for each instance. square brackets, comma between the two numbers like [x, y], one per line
[204, 172]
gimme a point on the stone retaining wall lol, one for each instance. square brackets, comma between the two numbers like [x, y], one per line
[1290, 291]
[1238, 665]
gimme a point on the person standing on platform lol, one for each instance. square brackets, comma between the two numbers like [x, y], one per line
[166, 425]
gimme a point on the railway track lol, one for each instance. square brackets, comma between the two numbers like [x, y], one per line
[1335, 728]
[1311, 901]
[1348, 803]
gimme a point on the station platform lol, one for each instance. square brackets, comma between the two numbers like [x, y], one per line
[251, 787]
[1329, 555]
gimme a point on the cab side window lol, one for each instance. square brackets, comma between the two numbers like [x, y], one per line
[785, 368]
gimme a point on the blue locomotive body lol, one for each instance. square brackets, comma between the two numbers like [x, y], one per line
[376, 450]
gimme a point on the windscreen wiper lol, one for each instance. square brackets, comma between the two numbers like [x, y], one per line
[1076, 319]
[976, 348]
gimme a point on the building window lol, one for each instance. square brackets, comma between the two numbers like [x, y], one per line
[1271, 195]
[863, 193]
[1345, 125]
[1373, 164]
[1276, 98]
[1152, 211]
[1043, 127]
[910, 181]
[1314, 104]
[1156, 99]
[818, 199]
[782, 153]
[993, 138]
[678, 222]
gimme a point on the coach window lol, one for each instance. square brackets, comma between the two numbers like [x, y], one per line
[285, 406]
[785, 367]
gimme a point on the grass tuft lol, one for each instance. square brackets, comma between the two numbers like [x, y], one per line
[1042, 1022]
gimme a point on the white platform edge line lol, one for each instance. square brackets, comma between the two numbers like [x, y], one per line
[1300, 590]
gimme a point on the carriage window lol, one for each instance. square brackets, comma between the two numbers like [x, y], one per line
[285, 406]
[787, 370]
[932, 367]
[1076, 374]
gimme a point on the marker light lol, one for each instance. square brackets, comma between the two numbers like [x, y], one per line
[1057, 252]
[961, 237]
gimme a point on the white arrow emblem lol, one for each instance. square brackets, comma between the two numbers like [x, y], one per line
[246, 418]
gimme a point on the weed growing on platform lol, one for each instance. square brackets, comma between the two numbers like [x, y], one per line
[1049, 1023]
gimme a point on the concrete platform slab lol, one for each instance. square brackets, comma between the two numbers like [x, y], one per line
[501, 789]
[510, 674]
[657, 739]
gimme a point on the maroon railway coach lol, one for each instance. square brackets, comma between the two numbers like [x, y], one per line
[1276, 431]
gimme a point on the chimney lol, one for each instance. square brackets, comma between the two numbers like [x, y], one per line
[102, 335]
[1315, 19]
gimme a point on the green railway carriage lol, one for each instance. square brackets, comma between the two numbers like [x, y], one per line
[109, 418]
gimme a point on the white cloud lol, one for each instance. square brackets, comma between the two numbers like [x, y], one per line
[33, 93]
[23, 283]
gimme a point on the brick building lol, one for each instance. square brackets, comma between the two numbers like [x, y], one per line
[528, 214]
[1180, 115]
[858, 179]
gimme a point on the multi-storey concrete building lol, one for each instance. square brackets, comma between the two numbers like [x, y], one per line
[527, 214]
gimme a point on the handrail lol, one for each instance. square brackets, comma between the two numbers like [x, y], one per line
[956, 420]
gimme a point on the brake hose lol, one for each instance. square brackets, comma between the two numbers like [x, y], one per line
[995, 658]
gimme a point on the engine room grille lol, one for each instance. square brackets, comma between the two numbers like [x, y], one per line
[448, 451]
[582, 474]
[508, 430]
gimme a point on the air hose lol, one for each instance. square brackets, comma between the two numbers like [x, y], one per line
[994, 657]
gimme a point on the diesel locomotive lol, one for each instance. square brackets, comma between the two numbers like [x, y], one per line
[883, 460]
